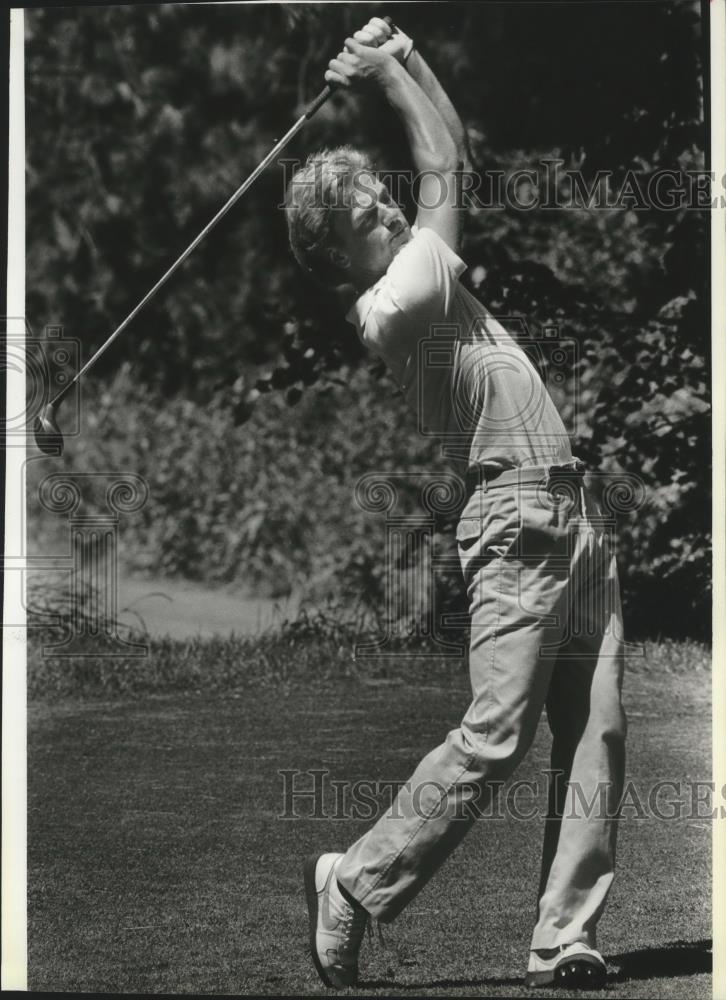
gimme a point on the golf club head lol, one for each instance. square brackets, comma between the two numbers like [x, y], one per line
[47, 433]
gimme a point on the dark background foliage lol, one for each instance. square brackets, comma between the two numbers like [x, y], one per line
[141, 121]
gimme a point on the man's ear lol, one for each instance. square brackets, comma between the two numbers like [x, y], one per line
[338, 259]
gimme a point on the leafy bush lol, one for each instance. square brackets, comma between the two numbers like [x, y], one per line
[315, 648]
[269, 503]
[264, 504]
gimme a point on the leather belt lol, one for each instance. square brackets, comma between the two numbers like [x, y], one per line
[487, 478]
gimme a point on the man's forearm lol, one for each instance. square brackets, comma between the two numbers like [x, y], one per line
[434, 154]
[400, 45]
[430, 140]
[433, 150]
[420, 71]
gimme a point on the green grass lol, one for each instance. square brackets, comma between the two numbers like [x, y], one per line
[158, 861]
[315, 647]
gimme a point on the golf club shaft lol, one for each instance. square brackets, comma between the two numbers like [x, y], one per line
[306, 116]
[319, 101]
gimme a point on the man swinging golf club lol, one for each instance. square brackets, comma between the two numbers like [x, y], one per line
[546, 627]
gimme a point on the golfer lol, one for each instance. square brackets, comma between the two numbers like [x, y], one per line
[546, 628]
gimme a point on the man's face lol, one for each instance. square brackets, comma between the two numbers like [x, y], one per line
[370, 232]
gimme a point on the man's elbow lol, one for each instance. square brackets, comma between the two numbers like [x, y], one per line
[438, 162]
[450, 160]
[465, 165]
[450, 164]
[443, 156]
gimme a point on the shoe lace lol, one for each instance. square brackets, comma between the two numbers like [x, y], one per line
[354, 925]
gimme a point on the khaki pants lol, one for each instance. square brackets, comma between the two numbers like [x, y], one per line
[546, 631]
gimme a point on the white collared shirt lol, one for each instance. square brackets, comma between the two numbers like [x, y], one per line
[469, 382]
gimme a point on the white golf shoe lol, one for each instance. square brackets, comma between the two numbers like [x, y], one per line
[573, 967]
[336, 927]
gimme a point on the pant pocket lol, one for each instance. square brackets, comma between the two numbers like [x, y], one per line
[488, 529]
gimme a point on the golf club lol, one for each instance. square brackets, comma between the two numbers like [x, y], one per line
[48, 436]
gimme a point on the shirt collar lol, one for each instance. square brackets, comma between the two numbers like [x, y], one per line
[358, 312]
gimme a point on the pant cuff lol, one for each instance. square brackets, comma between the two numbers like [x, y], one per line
[365, 896]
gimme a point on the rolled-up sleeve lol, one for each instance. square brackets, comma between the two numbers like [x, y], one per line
[416, 291]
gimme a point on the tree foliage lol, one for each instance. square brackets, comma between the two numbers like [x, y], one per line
[141, 121]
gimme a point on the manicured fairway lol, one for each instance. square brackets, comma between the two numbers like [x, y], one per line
[158, 861]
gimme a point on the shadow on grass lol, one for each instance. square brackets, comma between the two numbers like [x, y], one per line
[677, 958]
[433, 984]
[666, 961]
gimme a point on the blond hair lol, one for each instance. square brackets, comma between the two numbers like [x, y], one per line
[319, 187]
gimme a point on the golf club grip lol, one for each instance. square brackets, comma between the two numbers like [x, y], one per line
[319, 101]
[328, 90]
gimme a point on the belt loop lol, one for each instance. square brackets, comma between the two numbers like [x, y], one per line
[581, 469]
